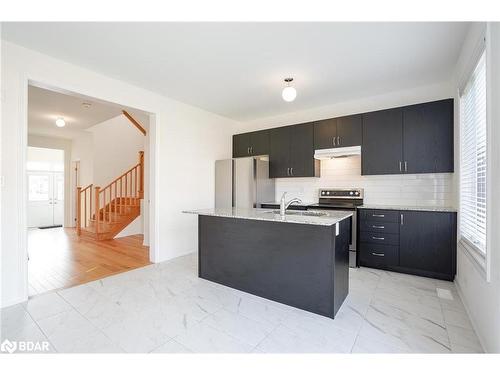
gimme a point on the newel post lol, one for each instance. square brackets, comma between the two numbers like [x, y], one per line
[141, 174]
[97, 208]
[78, 206]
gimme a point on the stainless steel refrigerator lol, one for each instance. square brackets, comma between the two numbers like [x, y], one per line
[243, 182]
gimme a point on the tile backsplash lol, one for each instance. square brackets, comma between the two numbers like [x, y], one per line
[410, 189]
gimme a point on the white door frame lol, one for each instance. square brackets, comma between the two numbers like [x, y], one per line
[153, 217]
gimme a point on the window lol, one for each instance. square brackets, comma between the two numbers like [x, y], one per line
[473, 160]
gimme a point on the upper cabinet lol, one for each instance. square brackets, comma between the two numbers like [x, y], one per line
[382, 148]
[291, 152]
[338, 132]
[251, 144]
[412, 139]
[428, 137]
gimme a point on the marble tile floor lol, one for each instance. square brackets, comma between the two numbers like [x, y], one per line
[166, 308]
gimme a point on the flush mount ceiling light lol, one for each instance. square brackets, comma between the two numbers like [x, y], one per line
[289, 93]
[60, 123]
[86, 105]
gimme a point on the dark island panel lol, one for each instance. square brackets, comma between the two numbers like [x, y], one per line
[305, 266]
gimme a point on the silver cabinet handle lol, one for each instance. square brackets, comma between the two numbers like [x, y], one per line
[378, 226]
[288, 171]
[338, 140]
[333, 141]
[379, 254]
[400, 166]
[378, 238]
[248, 150]
[291, 171]
[402, 219]
[378, 215]
[406, 166]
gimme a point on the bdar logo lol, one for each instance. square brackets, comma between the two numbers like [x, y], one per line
[8, 346]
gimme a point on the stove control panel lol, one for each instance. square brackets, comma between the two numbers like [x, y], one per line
[341, 193]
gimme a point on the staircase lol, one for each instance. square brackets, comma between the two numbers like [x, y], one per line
[102, 213]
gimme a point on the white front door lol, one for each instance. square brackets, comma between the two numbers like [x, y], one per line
[45, 199]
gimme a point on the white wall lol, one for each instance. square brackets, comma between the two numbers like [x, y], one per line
[60, 144]
[115, 149]
[482, 297]
[416, 190]
[185, 143]
[116, 146]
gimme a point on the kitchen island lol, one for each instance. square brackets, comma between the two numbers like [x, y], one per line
[301, 259]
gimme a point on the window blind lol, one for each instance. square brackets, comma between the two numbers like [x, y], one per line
[473, 159]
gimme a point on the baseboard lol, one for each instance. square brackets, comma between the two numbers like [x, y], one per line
[467, 310]
[13, 302]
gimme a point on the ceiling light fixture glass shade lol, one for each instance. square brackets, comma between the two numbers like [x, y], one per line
[289, 93]
[60, 123]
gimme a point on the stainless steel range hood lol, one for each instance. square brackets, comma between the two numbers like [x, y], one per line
[339, 152]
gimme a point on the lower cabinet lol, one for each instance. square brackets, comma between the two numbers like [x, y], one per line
[422, 243]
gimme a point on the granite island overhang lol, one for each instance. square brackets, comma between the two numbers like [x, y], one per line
[301, 260]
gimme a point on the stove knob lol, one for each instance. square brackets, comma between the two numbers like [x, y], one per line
[357, 193]
[351, 193]
[327, 193]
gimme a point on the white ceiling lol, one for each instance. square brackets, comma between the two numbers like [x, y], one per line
[236, 69]
[45, 106]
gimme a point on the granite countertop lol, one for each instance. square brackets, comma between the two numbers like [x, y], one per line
[408, 208]
[297, 217]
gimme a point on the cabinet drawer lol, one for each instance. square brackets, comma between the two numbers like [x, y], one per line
[388, 216]
[379, 227]
[378, 255]
[380, 238]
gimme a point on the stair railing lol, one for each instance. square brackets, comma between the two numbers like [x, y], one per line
[105, 204]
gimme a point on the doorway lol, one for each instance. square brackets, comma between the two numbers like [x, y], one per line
[60, 161]
[45, 171]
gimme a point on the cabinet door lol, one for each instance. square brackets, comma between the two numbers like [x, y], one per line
[428, 137]
[279, 152]
[427, 241]
[382, 148]
[325, 133]
[302, 160]
[349, 131]
[241, 145]
[259, 142]
[442, 114]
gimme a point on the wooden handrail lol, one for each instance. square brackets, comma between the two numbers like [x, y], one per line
[134, 121]
[110, 201]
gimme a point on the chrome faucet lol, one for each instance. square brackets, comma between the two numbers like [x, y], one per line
[284, 204]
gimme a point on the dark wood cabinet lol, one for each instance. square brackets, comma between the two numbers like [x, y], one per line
[382, 148]
[279, 152]
[411, 139]
[325, 134]
[259, 142]
[291, 152]
[338, 132]
[241, 145]
[428, 137]
[349, 131]
[415, 242]
[251, 144]
[427, 242]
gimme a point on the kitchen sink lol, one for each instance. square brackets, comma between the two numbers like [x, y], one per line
[300, 213]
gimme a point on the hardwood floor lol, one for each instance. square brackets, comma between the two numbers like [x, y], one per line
[60, 259]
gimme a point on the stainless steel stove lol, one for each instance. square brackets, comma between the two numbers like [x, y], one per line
[345, 200]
